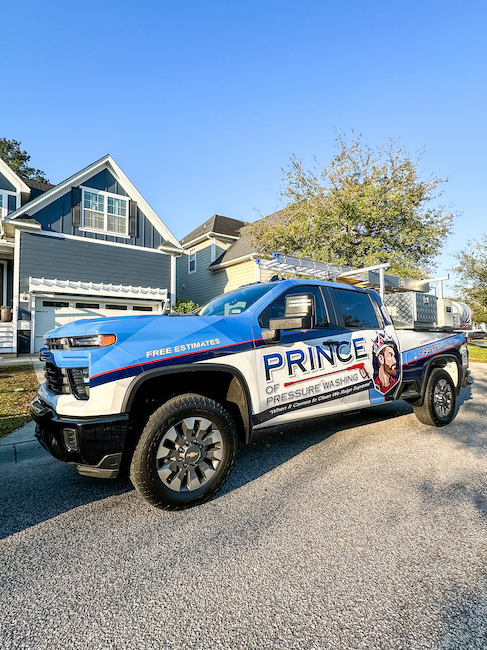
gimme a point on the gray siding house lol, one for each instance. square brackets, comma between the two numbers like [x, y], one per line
[90, 246]
[219, 256]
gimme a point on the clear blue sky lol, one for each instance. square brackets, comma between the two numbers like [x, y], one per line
[202, 102]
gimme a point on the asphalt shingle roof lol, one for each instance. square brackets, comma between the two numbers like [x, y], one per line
[38, 185]
[245, 245]
[217, 224]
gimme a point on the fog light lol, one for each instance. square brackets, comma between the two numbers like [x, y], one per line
[71, 439]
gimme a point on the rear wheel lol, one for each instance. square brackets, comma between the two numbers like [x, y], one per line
[185, 453]
[438, 407]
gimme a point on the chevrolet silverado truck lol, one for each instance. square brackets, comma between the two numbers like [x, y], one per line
[170, 396]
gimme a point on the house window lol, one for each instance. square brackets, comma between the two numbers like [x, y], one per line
[105, 212]
[192, 260]
[54, 303]
[8, 203]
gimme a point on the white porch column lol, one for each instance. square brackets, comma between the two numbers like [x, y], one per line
[173, 281]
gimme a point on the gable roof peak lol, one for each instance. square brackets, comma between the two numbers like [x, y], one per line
[83, 175]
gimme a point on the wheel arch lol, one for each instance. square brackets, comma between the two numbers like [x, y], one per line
[449, 361]
[223, 383]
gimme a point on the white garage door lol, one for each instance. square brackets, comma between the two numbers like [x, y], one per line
[54, 312]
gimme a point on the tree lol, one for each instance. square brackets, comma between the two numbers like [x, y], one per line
[363, 208]
[472, 277]
[17, 160]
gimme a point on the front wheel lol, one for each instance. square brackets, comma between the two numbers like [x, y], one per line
[185, 453]
[438, 407]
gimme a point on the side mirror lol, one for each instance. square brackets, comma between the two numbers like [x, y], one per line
[299, 305]
[298, 315]
[288, 324]
[271, 335]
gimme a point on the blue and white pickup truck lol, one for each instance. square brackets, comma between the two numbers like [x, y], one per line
[169, 396]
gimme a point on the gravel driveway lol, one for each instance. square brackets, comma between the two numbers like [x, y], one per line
[364, 531]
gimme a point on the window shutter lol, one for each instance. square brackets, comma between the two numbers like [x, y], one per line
[12, 203]
[132, 219]
[76, 206]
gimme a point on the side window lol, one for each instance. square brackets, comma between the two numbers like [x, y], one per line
[192, 260]
[356, 308]
[277, 308]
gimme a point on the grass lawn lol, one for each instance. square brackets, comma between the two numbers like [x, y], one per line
[476, 353]
[18, 385]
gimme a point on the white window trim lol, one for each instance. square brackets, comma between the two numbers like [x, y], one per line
[4, 209]
[84, 228]
[189, 260]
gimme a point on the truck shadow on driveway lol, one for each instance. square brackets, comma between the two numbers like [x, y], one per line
[34, 492]
[276, 445]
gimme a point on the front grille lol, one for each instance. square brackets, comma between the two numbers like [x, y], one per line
[57, 344]
[55, 379]
[63, 381]
[80, 382]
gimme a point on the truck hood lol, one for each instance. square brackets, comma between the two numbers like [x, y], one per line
[152, 340]
[103, 325]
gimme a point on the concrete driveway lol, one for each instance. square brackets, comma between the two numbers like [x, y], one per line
[365, 531]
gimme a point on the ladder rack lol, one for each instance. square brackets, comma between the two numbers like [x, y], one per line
[370, 276]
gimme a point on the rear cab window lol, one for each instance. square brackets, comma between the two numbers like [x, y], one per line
[356, 309]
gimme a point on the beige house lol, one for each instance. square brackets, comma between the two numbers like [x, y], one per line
[218, 257]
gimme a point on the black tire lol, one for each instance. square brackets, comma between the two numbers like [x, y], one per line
[438, 406]
[185, 453]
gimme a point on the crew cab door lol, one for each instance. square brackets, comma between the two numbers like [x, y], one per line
[304, 372]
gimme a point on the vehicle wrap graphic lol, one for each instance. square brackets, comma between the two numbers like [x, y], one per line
[189, 357]
[386, 364]
[315, 374]
[432, 347]
[314, 397]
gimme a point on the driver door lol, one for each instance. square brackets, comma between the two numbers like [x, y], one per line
[306, 372]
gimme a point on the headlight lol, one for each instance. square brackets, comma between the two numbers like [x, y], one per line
[93, 341]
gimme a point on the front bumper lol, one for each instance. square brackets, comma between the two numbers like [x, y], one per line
[95, 445]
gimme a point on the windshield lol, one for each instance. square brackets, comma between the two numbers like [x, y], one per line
[235, 302]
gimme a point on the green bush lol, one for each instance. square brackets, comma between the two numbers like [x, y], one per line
[185, 306]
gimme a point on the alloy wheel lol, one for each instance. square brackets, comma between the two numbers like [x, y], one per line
[189, 454]
[442, 398]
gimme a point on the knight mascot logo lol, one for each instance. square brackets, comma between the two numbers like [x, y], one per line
[386, 367]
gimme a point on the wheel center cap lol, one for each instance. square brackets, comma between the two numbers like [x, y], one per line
[192, 454]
